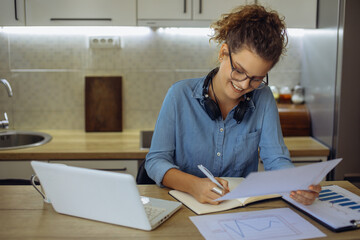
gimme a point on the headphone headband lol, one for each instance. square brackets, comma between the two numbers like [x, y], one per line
[209, 78]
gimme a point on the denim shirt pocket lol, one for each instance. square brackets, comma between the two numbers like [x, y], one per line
[246, 151]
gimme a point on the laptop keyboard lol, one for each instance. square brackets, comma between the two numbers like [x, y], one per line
[152, 212]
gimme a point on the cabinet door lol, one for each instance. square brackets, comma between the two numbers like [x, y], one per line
[80, 12]
[298, 14]
[212, 9]
[12, 13]
[164, 9]
[16, 170]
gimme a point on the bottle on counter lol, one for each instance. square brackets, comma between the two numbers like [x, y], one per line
[285, 95]
[298, 95]
[275, 92]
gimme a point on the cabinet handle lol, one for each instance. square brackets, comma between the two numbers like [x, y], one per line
[310, 161]
[81, 19]
[200, 6]
[185, 8]
[16, 15]
[114, 169]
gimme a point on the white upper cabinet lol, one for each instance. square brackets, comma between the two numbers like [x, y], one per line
[12, 13]
[183, 13]
[213, 9]
[158, 13]
[164, 9]
[298, 14]
[81, 12]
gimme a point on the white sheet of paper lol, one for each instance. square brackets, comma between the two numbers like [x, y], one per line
[281, 181]
[280, 223]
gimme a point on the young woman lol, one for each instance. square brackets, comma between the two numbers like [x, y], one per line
[222, 120]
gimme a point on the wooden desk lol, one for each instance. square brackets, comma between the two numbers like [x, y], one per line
[23, 215]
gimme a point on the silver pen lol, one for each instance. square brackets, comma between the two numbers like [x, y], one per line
[209, 175]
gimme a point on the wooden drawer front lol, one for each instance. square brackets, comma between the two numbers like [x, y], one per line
[121, 166]
[294, 120]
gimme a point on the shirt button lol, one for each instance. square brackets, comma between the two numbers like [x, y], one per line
[218, 154]
[221, 129]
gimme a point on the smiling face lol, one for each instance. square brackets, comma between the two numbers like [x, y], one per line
[244, 60]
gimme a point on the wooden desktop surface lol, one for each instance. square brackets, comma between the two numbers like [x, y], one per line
[24, 215]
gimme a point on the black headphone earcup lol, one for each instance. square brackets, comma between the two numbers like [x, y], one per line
[212, 108]
[239, 111]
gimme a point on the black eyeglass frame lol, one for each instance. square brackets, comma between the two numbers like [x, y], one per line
[252, 79]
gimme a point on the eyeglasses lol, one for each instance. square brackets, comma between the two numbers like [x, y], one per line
[255, 82]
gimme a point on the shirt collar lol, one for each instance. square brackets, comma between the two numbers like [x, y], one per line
[197, 93]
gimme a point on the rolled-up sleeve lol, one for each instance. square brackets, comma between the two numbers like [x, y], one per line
[160, 158]
[273, 151]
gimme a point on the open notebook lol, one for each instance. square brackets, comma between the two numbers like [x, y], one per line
[100, 195]
[200, 208]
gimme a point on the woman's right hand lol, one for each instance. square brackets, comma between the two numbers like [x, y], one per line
[202, 190]
[199, 188]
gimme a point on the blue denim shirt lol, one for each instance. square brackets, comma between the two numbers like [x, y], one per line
[185, 136]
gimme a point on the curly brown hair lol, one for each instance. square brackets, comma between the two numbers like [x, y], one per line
[254, 27]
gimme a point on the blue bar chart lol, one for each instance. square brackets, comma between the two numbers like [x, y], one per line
[340, 199]
[336, 207]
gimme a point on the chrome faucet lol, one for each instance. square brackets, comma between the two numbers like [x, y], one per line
[7, 86]
[5, 123]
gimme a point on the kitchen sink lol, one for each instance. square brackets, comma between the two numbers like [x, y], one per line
[22, 139]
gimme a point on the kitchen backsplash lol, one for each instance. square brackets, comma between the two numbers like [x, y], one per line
[47, 72]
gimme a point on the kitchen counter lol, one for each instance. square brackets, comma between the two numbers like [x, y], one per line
[76, 144]
[116, 151]
[305, 146]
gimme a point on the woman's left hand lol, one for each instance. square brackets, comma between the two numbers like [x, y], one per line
[306, 197]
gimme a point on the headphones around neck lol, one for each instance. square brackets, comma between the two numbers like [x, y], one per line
[212, 108]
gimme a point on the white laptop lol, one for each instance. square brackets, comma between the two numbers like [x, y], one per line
[100, 195]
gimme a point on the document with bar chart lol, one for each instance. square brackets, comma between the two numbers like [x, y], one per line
[336, 207]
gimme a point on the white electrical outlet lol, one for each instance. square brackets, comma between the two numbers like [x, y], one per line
[104, 42]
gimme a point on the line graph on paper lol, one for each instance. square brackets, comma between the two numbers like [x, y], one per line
[278, 223]
[260, 227]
